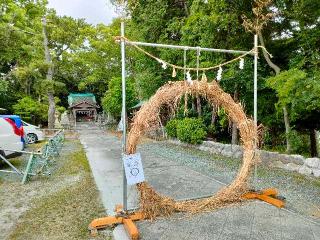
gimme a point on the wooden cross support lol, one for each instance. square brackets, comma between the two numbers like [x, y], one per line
[269, 195]
[120, 218]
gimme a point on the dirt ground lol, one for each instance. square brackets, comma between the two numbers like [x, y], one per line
[59, 206]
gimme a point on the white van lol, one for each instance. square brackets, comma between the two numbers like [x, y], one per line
[9, 139]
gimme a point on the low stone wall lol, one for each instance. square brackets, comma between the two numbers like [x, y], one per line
[297, 163]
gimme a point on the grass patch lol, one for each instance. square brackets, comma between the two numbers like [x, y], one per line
[65, 213]
[36, 146]
[76, 162]
[316, 183]
[17, 162]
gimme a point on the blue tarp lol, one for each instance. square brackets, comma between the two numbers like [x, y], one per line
[17, 122]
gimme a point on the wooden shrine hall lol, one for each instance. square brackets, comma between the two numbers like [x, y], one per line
[83, 107]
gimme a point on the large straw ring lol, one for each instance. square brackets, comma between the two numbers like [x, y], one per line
[153, 204]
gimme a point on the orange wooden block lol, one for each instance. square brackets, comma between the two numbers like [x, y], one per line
[267, 195]
[270, 192]
[137, 216]
[250, 196]
[131, 229]
[105, 222]
[276, 202]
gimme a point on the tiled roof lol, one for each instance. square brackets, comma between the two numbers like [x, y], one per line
[76, 98]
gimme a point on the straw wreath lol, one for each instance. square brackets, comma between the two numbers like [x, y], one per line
[152, 204]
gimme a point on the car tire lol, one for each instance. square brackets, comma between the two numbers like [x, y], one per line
[2, 154]
[32, 138]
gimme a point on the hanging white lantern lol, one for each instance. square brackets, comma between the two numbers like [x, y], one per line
[241, 63]
[219, 74]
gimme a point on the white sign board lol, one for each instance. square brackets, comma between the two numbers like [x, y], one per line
[133, 168]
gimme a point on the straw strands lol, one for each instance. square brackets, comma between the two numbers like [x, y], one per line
[152, 204]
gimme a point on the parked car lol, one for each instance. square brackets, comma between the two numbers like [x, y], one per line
[11, 135]
[32, 133]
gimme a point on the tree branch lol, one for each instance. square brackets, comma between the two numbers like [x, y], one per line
[266, 56]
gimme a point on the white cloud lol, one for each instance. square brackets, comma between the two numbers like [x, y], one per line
[94, 11]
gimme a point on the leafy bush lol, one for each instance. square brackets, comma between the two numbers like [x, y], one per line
[212, 129]
[31, 109]
[191, 130]
[3, 87]
[300, 143]
[171, 128]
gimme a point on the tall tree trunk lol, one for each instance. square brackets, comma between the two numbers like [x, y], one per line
[277, 71]
[193, 106]
[234, 135]
[313, 143]
[26, 87]
[199, 110]
[317, 143]
[51, 110]
[287, 125]
[186, 10]
[214, 115]
[50, 93]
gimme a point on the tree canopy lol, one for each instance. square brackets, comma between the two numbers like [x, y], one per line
[86, 58]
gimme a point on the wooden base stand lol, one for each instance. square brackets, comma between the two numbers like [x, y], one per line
[269, 195]
[121, 218]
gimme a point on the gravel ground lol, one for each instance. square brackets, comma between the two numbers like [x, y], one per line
[302, 193]
[57, 207]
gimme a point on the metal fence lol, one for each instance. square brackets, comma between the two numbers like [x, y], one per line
[39, 162]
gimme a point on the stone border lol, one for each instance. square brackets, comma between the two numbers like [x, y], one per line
[294, 162]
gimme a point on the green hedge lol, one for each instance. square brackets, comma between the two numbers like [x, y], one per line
[191, 130]
[171, 128]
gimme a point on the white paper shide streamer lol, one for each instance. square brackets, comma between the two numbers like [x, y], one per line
[164, 65]
[241, 63]
[189, 80]
[219, 75]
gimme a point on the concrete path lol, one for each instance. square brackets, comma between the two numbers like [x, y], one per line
[104, 155]
[254, 220]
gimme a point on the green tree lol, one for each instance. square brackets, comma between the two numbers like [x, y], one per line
[112, 102]
[31, 110]
[301, 93]
[101, 58]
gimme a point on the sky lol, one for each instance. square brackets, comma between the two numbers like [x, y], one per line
[94, 11]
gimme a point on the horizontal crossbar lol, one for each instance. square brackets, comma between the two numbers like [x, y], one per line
[8, 171]
[189, 48]
[26, 152]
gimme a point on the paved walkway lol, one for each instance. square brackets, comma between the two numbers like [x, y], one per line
[255, 220]
[104, 155]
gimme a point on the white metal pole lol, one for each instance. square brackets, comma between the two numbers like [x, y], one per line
[187, 47]
[124, 113]
[255, 95]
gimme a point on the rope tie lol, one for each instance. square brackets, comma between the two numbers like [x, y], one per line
[264, 49]
[198, 61]
[197, 68]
